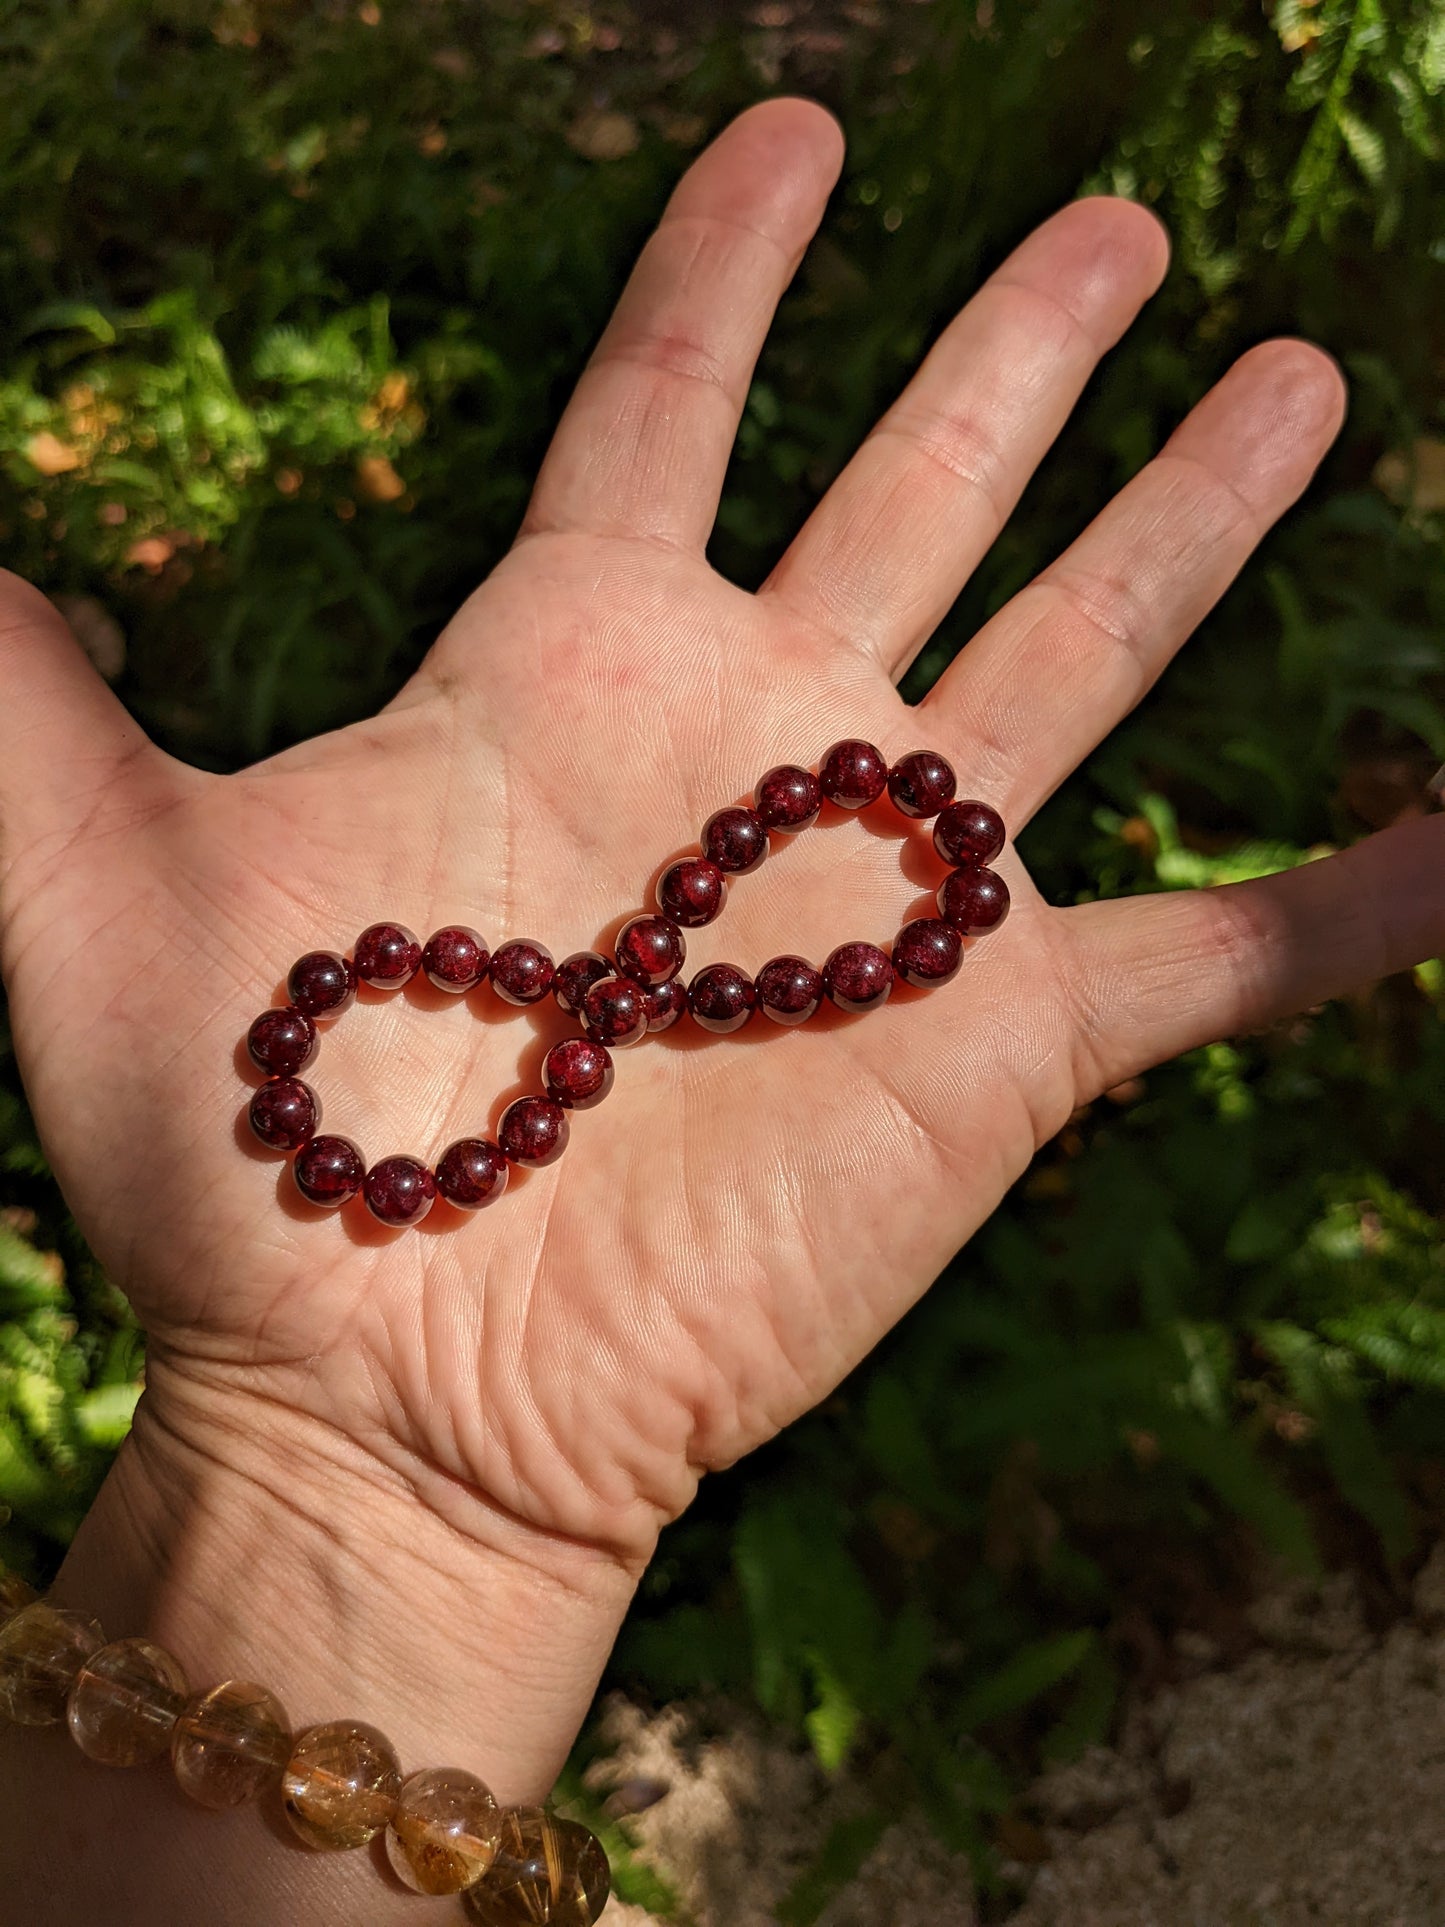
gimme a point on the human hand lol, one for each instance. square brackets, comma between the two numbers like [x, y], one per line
[744, 1218]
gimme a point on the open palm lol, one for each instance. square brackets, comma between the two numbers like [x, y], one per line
[745, 1216]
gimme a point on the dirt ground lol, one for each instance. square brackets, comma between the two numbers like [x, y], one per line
[1304, 1787]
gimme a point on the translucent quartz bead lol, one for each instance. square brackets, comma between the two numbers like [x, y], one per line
[282, 1042]
[470, 1173]
[125, 1703]
[455, 958]
[387, 955]
[229, 1744]
[444, 1833]
[547, 1873]
[14, 1593]
[921, 783]
[853, 774]
[42, 1649]
[341, 1783]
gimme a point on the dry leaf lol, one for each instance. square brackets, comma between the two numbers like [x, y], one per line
[377, 480]
[51, 455]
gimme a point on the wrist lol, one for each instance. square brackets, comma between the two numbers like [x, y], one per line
[256, 1542]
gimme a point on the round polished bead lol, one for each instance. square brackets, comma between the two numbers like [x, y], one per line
[789, 990]
[455, 959]
[229, 1744]
[399, 1191]
[858, 976]
[973, 901]
[968, 834]
[788, 798]
[42, 1649]
[544, 1870]
[282, 1042]
[665, 1004]
[692, 891]
[921, 783]
[650, 950]
[576, 975]
[522, 971]
[386, 956]
[927, 952]
[734, 839]
[445, 1831]
[721, 997]
[577, 1073]
[853, 774]
[534, 1131]
[125, 1702]
[328, 1171]
[285, 1113]
[322, 983]
[341, 1784]
[472, 1172]
[614, 1012]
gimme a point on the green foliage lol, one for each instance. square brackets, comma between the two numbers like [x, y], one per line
[292, 300]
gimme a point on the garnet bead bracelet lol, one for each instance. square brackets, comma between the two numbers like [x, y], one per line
[637, 992]
[127, 1702]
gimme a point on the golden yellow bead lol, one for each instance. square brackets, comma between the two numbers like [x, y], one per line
[444, 1832]
[229, 1744]
[125, 1703]
[42, 1648]
[341, 1784]
[546, 1873]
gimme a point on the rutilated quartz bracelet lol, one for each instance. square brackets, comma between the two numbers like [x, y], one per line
[127, 1702]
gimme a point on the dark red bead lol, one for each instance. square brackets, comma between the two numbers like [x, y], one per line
[455, 958]
[858, 976]
[614, 1012]
[921, 783]
[968, 834]
[522, 971]
[692, 891]
[665, 1004]
[322, 983]
[788, 798]
[650, 950]
[578, 1073]
[386, 956]
[282, 1042]
[973, 901]
[472, 1172]
[721, 997]
[927, 952]
[534, 1131]
[575, 977]
[853, 774]
[789, 990]
[328, 1171]
[399, 1191]
[734, 839]
[285, 1113]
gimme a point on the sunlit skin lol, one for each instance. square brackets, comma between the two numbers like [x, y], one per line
[540, 1384]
